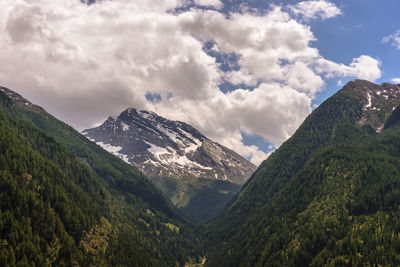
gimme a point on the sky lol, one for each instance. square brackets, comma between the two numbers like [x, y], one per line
[244, 73]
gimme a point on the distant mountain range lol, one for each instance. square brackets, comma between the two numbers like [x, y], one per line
[163, 148]
[198, 175]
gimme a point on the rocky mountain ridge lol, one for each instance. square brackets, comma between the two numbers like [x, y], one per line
[379, 101]
[164, 148]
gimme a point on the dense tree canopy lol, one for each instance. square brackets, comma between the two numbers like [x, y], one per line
[329, 195]
[65, 201]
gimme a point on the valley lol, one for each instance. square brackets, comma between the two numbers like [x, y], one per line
[329, 195]
[199, 133]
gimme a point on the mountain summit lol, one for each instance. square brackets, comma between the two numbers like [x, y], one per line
[329, 196]
[164, 148]
[198, 175]
[379, 101]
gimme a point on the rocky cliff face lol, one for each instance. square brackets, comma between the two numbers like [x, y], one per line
[163, 148]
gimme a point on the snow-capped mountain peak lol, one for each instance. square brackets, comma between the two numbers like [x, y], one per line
[164, 148]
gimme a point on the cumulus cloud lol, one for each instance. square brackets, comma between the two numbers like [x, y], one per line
[363, 67]
[393, 38]
[86, 62]
[268, 46]
[396, 80]
[316, 9]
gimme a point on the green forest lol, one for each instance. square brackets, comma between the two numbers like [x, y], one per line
[329, 196]
[71, 203]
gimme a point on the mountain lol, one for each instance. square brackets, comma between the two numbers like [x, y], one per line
[163, 148]
[328, 196]
[65, 201]
[198, 175]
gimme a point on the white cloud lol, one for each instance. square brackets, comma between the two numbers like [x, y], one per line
[396, 80]
[260, 111]
[303, 78]
[269, 46]
[83, 63]
[363, 67]
[211, 3]
[393, 38]
[316, 9]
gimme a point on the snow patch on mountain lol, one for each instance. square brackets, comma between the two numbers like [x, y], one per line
[160, 147]
[369, 101]
[156, 150]
[125, 127]
[114, 150]
[170, 156]
[379, 101]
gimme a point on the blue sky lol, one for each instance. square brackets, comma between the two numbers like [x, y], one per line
[244, 73]
[359, 30]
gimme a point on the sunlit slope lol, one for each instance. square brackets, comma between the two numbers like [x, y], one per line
[323, 193]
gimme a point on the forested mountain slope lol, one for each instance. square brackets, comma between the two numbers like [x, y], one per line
[66, 201]
[329, 195]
